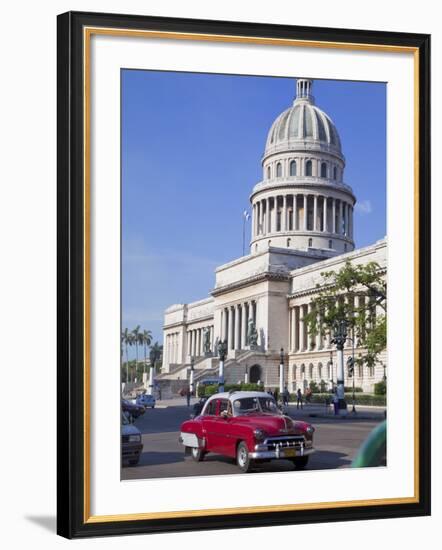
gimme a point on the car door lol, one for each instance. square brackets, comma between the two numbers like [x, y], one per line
[209, 425]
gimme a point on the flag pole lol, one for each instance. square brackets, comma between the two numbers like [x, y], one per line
[245, 217]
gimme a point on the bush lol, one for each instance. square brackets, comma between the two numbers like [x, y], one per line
[349, 389]
[364, 399]
[314, 387]
[380, 388]
[206, 391]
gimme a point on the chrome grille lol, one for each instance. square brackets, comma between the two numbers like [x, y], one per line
[284, 442]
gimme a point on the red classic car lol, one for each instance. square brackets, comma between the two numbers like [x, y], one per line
[247, 426]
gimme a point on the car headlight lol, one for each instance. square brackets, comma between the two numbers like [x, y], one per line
[259, 434]
[310, 430]
[134, 438]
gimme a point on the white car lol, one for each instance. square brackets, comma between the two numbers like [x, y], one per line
[146, 400]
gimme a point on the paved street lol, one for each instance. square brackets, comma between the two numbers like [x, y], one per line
[336, 442]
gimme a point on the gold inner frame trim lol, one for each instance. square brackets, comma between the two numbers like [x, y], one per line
[87, 34]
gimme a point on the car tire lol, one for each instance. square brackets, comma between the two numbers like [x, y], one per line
[300, 463]
[197, 454]
[243, 460]
[134, 462]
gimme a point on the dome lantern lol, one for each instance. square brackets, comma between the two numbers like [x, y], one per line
[304, 90]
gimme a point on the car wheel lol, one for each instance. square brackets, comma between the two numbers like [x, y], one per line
[197, 454]
[242, 458]
[300, 463]
[134, 462]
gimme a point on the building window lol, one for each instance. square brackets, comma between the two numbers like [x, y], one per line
[330, 244]
[269, 172]
[278, 170]
[310, 242]
[308, 168]
[293, 168]
[323, 170]
[345, 247]
[269, 243]
[335, 173]
[288, 243]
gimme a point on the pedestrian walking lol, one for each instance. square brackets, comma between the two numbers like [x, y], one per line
[159, 393]
[336, 402]
[285, 396]
[299, 398]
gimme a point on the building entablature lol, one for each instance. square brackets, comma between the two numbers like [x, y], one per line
[305, 185]
[266, 276]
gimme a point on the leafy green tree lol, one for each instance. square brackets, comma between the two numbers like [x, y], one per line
[146, 336]
[336, 300]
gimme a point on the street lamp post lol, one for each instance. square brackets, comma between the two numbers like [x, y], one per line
[222, 352]
[339, 338]
[192, 368]
[246, 375]
[281, 371]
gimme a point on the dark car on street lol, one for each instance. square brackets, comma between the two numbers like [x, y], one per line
[131, 445]
[132, 409]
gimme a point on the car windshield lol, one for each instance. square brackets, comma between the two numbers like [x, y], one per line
[250, 405]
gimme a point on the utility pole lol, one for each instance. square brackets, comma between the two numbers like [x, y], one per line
[222, 352]
[339, 338]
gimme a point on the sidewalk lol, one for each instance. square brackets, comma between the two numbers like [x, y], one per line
[314, 410]
[174, 402]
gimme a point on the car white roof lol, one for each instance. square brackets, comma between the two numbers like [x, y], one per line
[238, 395]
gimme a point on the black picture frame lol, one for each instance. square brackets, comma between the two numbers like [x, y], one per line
[72, 392]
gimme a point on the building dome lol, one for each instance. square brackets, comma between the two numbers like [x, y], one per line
[302, 202]
[303, 126]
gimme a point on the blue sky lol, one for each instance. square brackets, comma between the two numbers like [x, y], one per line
[191, 152]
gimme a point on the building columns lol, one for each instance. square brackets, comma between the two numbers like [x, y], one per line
[315, 213]
[244, 325]
[324, 214]
[238, 342]
[305, 213]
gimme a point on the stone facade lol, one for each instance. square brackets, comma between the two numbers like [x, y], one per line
[302, 225]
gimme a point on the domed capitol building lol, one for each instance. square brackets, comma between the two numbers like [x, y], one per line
[301, 225]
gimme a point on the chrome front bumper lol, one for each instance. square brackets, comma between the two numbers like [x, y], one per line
[281, 454]
[286, 448]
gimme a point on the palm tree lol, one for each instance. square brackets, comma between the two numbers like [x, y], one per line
[146, 336]
[155, 353]
[136, 341]
[126, 339]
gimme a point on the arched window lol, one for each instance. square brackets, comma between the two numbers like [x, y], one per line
[323, 170]
[278, 170]
[288, 243]
[269, 243]
[310, 371]
[308, 168]
[310, 242]
[293, 168]
[330, 244]
[269, 172]
[335, 173]
[345, 247]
